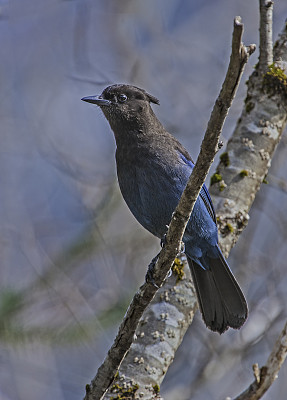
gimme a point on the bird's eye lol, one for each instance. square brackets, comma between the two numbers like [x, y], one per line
[122, 98]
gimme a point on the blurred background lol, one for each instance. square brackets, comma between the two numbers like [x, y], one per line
[72, 255]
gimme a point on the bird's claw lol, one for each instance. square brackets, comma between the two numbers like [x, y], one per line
[149, 278]
[220, 145]
[163, 241]
[182, 248]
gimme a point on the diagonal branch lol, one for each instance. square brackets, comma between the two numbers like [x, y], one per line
[266, 375]
[143, 297]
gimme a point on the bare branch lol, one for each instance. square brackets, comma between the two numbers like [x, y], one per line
[122, 343]
[266, 375]
[266, 45]
[209, 146]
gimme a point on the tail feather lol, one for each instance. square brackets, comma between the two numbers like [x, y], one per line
[220, 298]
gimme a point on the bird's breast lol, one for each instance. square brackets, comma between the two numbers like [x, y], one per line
[150, 188]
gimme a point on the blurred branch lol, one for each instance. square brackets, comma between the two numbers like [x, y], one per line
[143, 297]
[266, 375]
[266, 44]
[82, 247]
[53, 332]
[277, 183]
[12, 302]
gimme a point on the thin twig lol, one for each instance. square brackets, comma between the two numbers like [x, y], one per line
[266, 45]
[266, 375]
[142, 298]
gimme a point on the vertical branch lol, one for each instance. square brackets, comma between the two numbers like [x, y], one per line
[266, 45]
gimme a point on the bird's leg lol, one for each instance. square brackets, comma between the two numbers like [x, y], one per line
[163, 240]
[162, 243]
[150, 271]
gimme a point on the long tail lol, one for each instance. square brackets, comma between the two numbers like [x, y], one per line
[220, 298]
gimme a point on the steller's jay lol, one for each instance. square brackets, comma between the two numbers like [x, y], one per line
[153, 169]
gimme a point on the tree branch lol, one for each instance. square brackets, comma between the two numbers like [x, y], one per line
[266, 44]
[108, 369]
[266, 375]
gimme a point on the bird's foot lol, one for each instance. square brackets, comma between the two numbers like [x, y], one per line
[149, 278]
[163, 241]
[220, 145]
[182, 248]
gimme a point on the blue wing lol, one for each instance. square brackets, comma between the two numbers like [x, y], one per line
[204, 194]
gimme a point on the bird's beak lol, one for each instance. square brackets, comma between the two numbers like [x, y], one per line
[98, 100]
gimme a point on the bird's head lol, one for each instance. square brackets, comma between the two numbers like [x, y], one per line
[124, 104]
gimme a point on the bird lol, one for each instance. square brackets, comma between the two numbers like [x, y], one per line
[153, 168]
